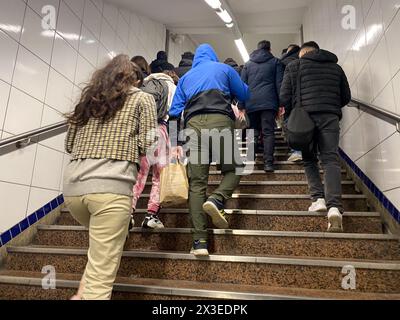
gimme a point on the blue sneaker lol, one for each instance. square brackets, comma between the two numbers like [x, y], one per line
[200, 248]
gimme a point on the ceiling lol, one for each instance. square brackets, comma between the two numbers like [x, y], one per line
[276, 20]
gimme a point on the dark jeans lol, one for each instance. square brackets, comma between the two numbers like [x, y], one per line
[326, 145]
[264, 122]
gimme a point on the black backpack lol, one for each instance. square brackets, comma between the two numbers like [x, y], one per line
[300, 127]
[159, 90]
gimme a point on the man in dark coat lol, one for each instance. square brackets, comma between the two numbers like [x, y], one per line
[291, 54]
[185, 65]
[324, 91]
[231, 62]
[264, 74]
[161, 63]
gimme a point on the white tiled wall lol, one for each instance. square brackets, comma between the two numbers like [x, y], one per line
[370, 55]
[41, 72]
[177, 49]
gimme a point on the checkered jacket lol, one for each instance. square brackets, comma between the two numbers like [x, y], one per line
[129, 134]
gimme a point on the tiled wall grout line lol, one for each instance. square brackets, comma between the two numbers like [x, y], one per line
[15, 66]
[26, 185]
[43, 108]
[381, 142]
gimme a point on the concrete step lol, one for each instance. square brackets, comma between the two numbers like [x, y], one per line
[28, 286]
[240, 242]
[278, 175]
[353, 222]
[317, 274]
[271, 187]
[276, 202]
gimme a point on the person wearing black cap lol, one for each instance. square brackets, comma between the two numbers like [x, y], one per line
[185, 65]
[161, 63]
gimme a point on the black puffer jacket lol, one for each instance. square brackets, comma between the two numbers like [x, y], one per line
[263, 73]
[324, 85]
[291, 56]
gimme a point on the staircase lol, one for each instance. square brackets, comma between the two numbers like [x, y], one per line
[275, 250]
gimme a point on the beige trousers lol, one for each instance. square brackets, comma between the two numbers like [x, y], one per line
[107, 217]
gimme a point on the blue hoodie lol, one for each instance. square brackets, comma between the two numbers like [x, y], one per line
[209, 87]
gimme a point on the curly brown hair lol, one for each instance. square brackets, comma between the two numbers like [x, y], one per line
[107, 91]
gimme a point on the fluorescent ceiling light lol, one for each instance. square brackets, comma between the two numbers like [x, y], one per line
[215, 4]
[242, 49]
[230, 25]
[225, 16]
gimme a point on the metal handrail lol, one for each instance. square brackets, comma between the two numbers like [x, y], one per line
[24, 139]
[378, 112]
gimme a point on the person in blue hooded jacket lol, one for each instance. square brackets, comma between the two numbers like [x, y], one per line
[204, 96]
[264, 75]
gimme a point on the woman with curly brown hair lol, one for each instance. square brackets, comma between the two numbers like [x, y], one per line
[113, 124]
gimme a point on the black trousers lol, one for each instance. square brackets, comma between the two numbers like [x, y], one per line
[326, 146]
[263, 122]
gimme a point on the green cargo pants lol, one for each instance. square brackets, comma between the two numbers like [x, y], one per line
[220, 146]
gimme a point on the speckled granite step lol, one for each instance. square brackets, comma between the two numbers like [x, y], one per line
[276, 202]
[271, 187]
[240, 242]
[279, 175]
[27, 286]
[353, 222]
[317, 274]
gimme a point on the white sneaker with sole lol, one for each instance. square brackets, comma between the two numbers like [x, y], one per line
[335, 220]
[200, 248]
[318, 206]
[152, 222]
[296, 157]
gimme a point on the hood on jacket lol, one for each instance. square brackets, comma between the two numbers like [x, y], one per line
[294, 52]
[231, 62]
[321, 56]
[261, 56]
[204, 53]
[159, 76]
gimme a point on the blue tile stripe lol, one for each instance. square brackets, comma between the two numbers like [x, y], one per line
[389, 206]
[30, 220]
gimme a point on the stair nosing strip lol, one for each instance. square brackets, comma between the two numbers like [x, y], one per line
[283, 234]
[219, 258]
[258, 172]
[157, 290]
[270, 183]
[361, 214]
[280, 196]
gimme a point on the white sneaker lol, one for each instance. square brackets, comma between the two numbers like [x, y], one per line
[335, 220]
[318, 206]
[296, 157]
[152, 222]
[200, 248]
